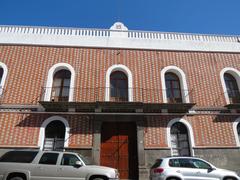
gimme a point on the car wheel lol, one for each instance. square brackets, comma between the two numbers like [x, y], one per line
[230, 178]
[173, 178]
[16, 178]
[98, 178]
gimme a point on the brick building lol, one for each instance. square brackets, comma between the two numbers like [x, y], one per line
[122, 98]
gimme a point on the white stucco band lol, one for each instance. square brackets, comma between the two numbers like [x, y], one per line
[117, 38]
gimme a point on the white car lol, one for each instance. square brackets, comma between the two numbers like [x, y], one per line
[51, 165]
[188, 168]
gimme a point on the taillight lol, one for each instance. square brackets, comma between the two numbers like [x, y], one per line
[158, 170]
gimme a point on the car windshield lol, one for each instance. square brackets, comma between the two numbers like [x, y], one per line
[85, 160]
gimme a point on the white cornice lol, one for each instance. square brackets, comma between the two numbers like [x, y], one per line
[101, 38]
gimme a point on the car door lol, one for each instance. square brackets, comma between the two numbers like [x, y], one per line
[205, 170]
[68, 168]
[46, 168]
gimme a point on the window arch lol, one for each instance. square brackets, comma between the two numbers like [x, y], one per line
[54, 133]
[64, 75]
[3, 76]
[230, 79]
[236, 130]
[174, 84]
[119, 76]
[180, 137]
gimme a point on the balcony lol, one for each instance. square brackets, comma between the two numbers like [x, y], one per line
[102, 99]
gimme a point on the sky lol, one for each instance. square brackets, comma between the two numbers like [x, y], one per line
[189, 16]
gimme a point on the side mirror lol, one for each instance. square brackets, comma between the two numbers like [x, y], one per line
[211, 169]
[78, 164]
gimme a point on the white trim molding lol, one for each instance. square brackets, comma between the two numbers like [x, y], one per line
[190, 133]
[51, 72]
[236, 123]
[235, 73]
[44, 125]
[124, 69]
[4, 76]
[118, 37]
[183, 82]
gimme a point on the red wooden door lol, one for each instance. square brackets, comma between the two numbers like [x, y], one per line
[119, 148]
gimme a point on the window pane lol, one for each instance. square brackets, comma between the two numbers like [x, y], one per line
[200, 164]
[174, 163]
[238, 130]
[69, 160]
[49, 158]
[1, 74]
[19, 156]
[186, 163]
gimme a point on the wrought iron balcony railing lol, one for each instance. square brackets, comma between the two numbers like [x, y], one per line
[102, 94]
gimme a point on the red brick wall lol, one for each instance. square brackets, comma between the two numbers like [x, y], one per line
[208, 130]
[28, 67]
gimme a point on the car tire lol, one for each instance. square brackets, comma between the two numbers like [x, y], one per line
[173, 178]
[98, 178]
[16, 178]
[230, 178]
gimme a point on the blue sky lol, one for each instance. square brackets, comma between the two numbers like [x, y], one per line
[193, 16]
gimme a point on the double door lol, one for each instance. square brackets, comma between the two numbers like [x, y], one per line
[119, 148]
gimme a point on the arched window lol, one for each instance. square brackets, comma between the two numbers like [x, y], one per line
[173, 88]
[1, 74]
[54, 136]
[118, 86]
[180, 140]
[238, 131]
[61, 85]
[232, 88]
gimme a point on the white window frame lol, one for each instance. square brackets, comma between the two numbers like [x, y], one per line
[44, 125]
[235, 124]
[183, 82]
[49, 84]
[4, 76]
[124, 69]
[190, 134]
[235, 73]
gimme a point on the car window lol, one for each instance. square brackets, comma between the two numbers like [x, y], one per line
[19, 156]
[49, 158]
[69, 160]
[200, 164]
[157, 163]
[186, 163]
[174, 163]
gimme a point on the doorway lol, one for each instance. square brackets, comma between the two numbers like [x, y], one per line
[119, 148]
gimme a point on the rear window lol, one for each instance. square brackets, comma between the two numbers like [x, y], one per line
[19, 156]
[157, 163]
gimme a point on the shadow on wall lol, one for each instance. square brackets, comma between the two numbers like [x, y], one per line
[78, 124]
[221, 118]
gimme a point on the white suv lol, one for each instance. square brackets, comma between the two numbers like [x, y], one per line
[188, 168]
